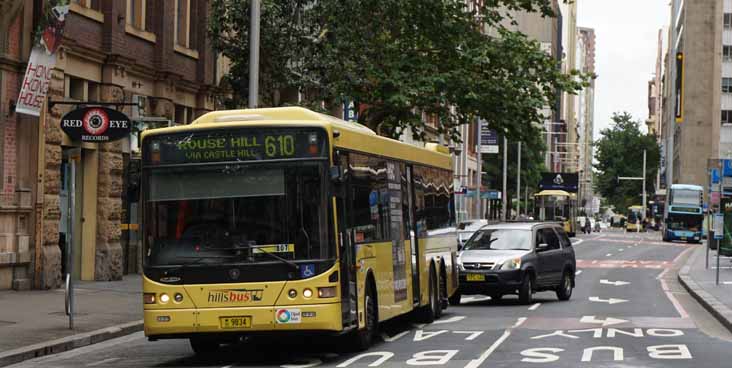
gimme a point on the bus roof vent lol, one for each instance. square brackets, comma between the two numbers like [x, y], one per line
[238, 117]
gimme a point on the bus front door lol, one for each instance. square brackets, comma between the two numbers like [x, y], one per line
[348, 277]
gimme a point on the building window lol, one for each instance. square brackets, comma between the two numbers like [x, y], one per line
[727, 53]
[136, 13]
[727, 85]
[726, 116]
[727, 20]
[183, 114]
[91, 4]
[185, 12]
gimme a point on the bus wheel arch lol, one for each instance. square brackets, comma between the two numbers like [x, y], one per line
[364, 337]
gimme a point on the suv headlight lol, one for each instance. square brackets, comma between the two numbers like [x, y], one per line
[511, 264]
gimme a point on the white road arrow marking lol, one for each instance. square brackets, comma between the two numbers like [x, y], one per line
[449, 320]
[605, 322]
[614, 283]
[609, 301]
[395, 337]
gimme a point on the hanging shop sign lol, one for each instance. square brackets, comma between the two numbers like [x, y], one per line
[96, 124]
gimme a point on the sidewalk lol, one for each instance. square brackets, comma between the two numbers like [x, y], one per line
[33, 323]
[701, 283]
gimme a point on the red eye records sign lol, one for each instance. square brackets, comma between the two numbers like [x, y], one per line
[95, 124]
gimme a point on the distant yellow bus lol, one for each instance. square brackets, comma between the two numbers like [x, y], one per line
[635, 214]
[284, 220]
[559, 206]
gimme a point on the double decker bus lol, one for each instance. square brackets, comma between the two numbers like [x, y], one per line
[684, 213]
[287, 221]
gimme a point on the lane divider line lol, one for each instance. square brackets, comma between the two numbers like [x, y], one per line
[109, 360]
[475, 363]
[679, 308]
[578, 272]
[535, 306]
[520, 322]
[608, 255]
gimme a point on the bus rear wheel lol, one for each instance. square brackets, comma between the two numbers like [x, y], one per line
[428, 313]
[203, 346]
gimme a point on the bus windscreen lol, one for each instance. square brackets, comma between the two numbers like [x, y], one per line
[236, 214]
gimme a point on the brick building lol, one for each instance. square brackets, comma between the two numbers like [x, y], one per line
[152, 52]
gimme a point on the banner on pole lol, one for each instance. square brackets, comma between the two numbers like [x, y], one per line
[37, 77]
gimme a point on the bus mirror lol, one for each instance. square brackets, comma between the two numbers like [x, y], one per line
[336, 173]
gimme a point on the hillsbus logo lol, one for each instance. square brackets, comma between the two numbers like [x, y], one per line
[234, 296]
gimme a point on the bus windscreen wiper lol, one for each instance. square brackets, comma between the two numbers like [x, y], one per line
[261, 250]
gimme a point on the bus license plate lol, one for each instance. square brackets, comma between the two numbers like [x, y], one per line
[236, 322]
[475, 277]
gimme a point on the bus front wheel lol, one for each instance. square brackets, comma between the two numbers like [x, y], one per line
[364, 337]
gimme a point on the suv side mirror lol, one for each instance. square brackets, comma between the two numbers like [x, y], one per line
[542, 247]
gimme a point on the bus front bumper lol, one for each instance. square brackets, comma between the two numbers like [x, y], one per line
[172, 323]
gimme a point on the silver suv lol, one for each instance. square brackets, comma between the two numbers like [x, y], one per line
[517, 258]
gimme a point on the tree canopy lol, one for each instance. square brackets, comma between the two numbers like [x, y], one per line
[620, 153]
[399, 59]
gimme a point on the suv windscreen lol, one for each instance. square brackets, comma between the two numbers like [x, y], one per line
[500, 239]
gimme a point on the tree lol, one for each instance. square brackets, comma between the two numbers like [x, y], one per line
[399, 59]
[620, 153]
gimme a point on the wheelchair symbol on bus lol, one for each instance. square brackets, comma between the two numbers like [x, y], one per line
[307, 270]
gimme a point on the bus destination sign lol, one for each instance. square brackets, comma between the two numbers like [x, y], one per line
[234, 145]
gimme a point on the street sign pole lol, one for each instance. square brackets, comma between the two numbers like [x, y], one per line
[479, 172]
[505, 178]
[518, 182]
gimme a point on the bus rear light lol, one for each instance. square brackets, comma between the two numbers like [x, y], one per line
[148, 298]
[327, 292]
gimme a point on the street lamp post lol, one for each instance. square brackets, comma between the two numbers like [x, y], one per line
[643, 179]
[254, 15]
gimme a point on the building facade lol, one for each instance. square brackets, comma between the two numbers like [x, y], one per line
[154, 53]
[697, 114]
[586, 117]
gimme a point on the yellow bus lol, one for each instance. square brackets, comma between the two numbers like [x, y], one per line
[634, 214]
[284, 220]
[559, 206]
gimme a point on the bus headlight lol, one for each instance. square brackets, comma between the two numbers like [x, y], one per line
[164, 298]
[327, 292]
[511, 264]
[292, 294]
[307, 293]
[178, 297]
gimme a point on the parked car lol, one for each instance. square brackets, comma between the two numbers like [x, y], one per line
[517, 258]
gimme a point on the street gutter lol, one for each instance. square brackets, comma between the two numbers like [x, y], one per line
[68, 343]
[720, 311]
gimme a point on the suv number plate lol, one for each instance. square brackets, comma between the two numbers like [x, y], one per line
[475, 277]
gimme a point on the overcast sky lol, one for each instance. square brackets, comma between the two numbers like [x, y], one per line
[627, 32]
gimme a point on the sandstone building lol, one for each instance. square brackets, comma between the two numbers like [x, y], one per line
[154, 52]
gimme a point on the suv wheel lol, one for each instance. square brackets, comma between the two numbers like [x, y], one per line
[564, 290]
[525, 290]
